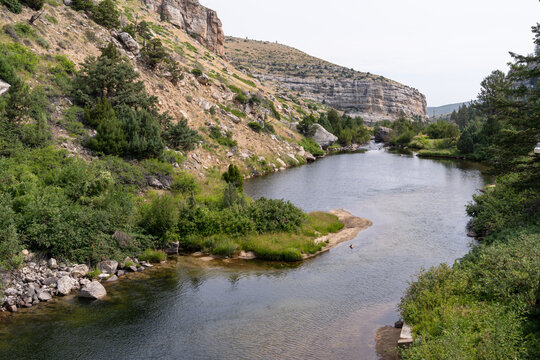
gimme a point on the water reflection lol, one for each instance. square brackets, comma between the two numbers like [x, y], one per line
[328, 307]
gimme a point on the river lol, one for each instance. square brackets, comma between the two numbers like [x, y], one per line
[326, 308]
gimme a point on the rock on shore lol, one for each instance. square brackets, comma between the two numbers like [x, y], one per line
[41, 280]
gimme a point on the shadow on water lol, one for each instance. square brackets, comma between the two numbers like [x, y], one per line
[327, 307]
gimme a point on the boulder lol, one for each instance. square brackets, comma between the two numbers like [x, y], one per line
[43, 295]
[172, 248]
[4, 87]
[84, 282]
[203, 80]
[68, 2]
[94, 290]
[52, 280]
[112, 278]
[323, 137]
[79, 270]
[108, 266]
[129, 43]
[52, 263]
[65, 285]
[383, 134]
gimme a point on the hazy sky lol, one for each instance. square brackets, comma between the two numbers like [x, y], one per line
[443, 48]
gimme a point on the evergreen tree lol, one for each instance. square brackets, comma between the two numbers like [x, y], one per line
[234, 177]
[106, 14]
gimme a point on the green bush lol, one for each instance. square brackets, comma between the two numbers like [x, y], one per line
[224, 247]
[185, 184]
[225, 140]
[255, 126]
[311, 146]
[234, 177]
[271, 215]
[160, 217]
[34, 4]
[442, 129]
[181, 136]
[196, 72]
[82, 5]
[154, 53]
[153, 256]
[13, 5]
[241, 98]
[106, 14]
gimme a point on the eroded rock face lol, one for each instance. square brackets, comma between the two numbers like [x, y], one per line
[371, 99]
[195, 19]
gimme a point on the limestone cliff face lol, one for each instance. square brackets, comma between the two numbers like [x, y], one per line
[195, 19]
[357, 93]
[372, 99]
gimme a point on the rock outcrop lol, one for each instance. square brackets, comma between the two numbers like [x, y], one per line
[356, 93]
[323, 137]
[197, 20]
[371, 99]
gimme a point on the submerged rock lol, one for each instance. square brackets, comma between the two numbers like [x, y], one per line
[94, 290]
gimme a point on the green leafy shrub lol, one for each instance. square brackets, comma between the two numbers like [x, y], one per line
[241, 98]
[34, 4]
[196, 72]
[181, 136]
[225, 140]
[255, 126]
[160, 217]
[153, 256]
[154, 53]
[106, 14]
[234, 177]
[82, 5]
[13, 5]
[312, 147]
[185, 184]
[275, 215]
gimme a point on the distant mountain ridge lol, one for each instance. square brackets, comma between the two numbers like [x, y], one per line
[296, 73]
[435, 111]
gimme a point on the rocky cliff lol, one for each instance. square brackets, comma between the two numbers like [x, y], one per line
[197, 20]
[358, 94]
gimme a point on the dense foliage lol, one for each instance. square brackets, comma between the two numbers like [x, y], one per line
[487, 306]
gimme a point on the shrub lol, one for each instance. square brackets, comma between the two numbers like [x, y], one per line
[234, 177]
[185, 184]
[312, 147]
[153, 256]
[181, 136]
[275, 215]
[82, 5]
[196, 72]
[241, 98]
[34, 4]
[13, 5]
[255, 126]
[224, 247]
[106, 14]
[404, 139]
[10, 246]
[227, 140]
[143, 133]
[160, 217]
[24, 30]
[154, 53]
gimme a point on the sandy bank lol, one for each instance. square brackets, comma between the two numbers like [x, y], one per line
[353, 225]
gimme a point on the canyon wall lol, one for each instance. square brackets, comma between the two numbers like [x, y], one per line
[198, 21]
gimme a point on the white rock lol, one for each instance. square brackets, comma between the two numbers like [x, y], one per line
[65, 285]
[94, 290]
[79, 270]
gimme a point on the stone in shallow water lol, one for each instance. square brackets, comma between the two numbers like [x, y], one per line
[94, 290]
[44, 295]
[112, 278]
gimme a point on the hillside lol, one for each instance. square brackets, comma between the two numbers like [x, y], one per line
[207, 102]
[436, 111]
[296, 73]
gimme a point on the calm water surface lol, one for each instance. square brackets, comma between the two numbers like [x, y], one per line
[327, 308]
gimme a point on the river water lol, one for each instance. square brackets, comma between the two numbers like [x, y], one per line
[326, 308]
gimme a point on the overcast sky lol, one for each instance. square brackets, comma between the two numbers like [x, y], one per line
[443, 48]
